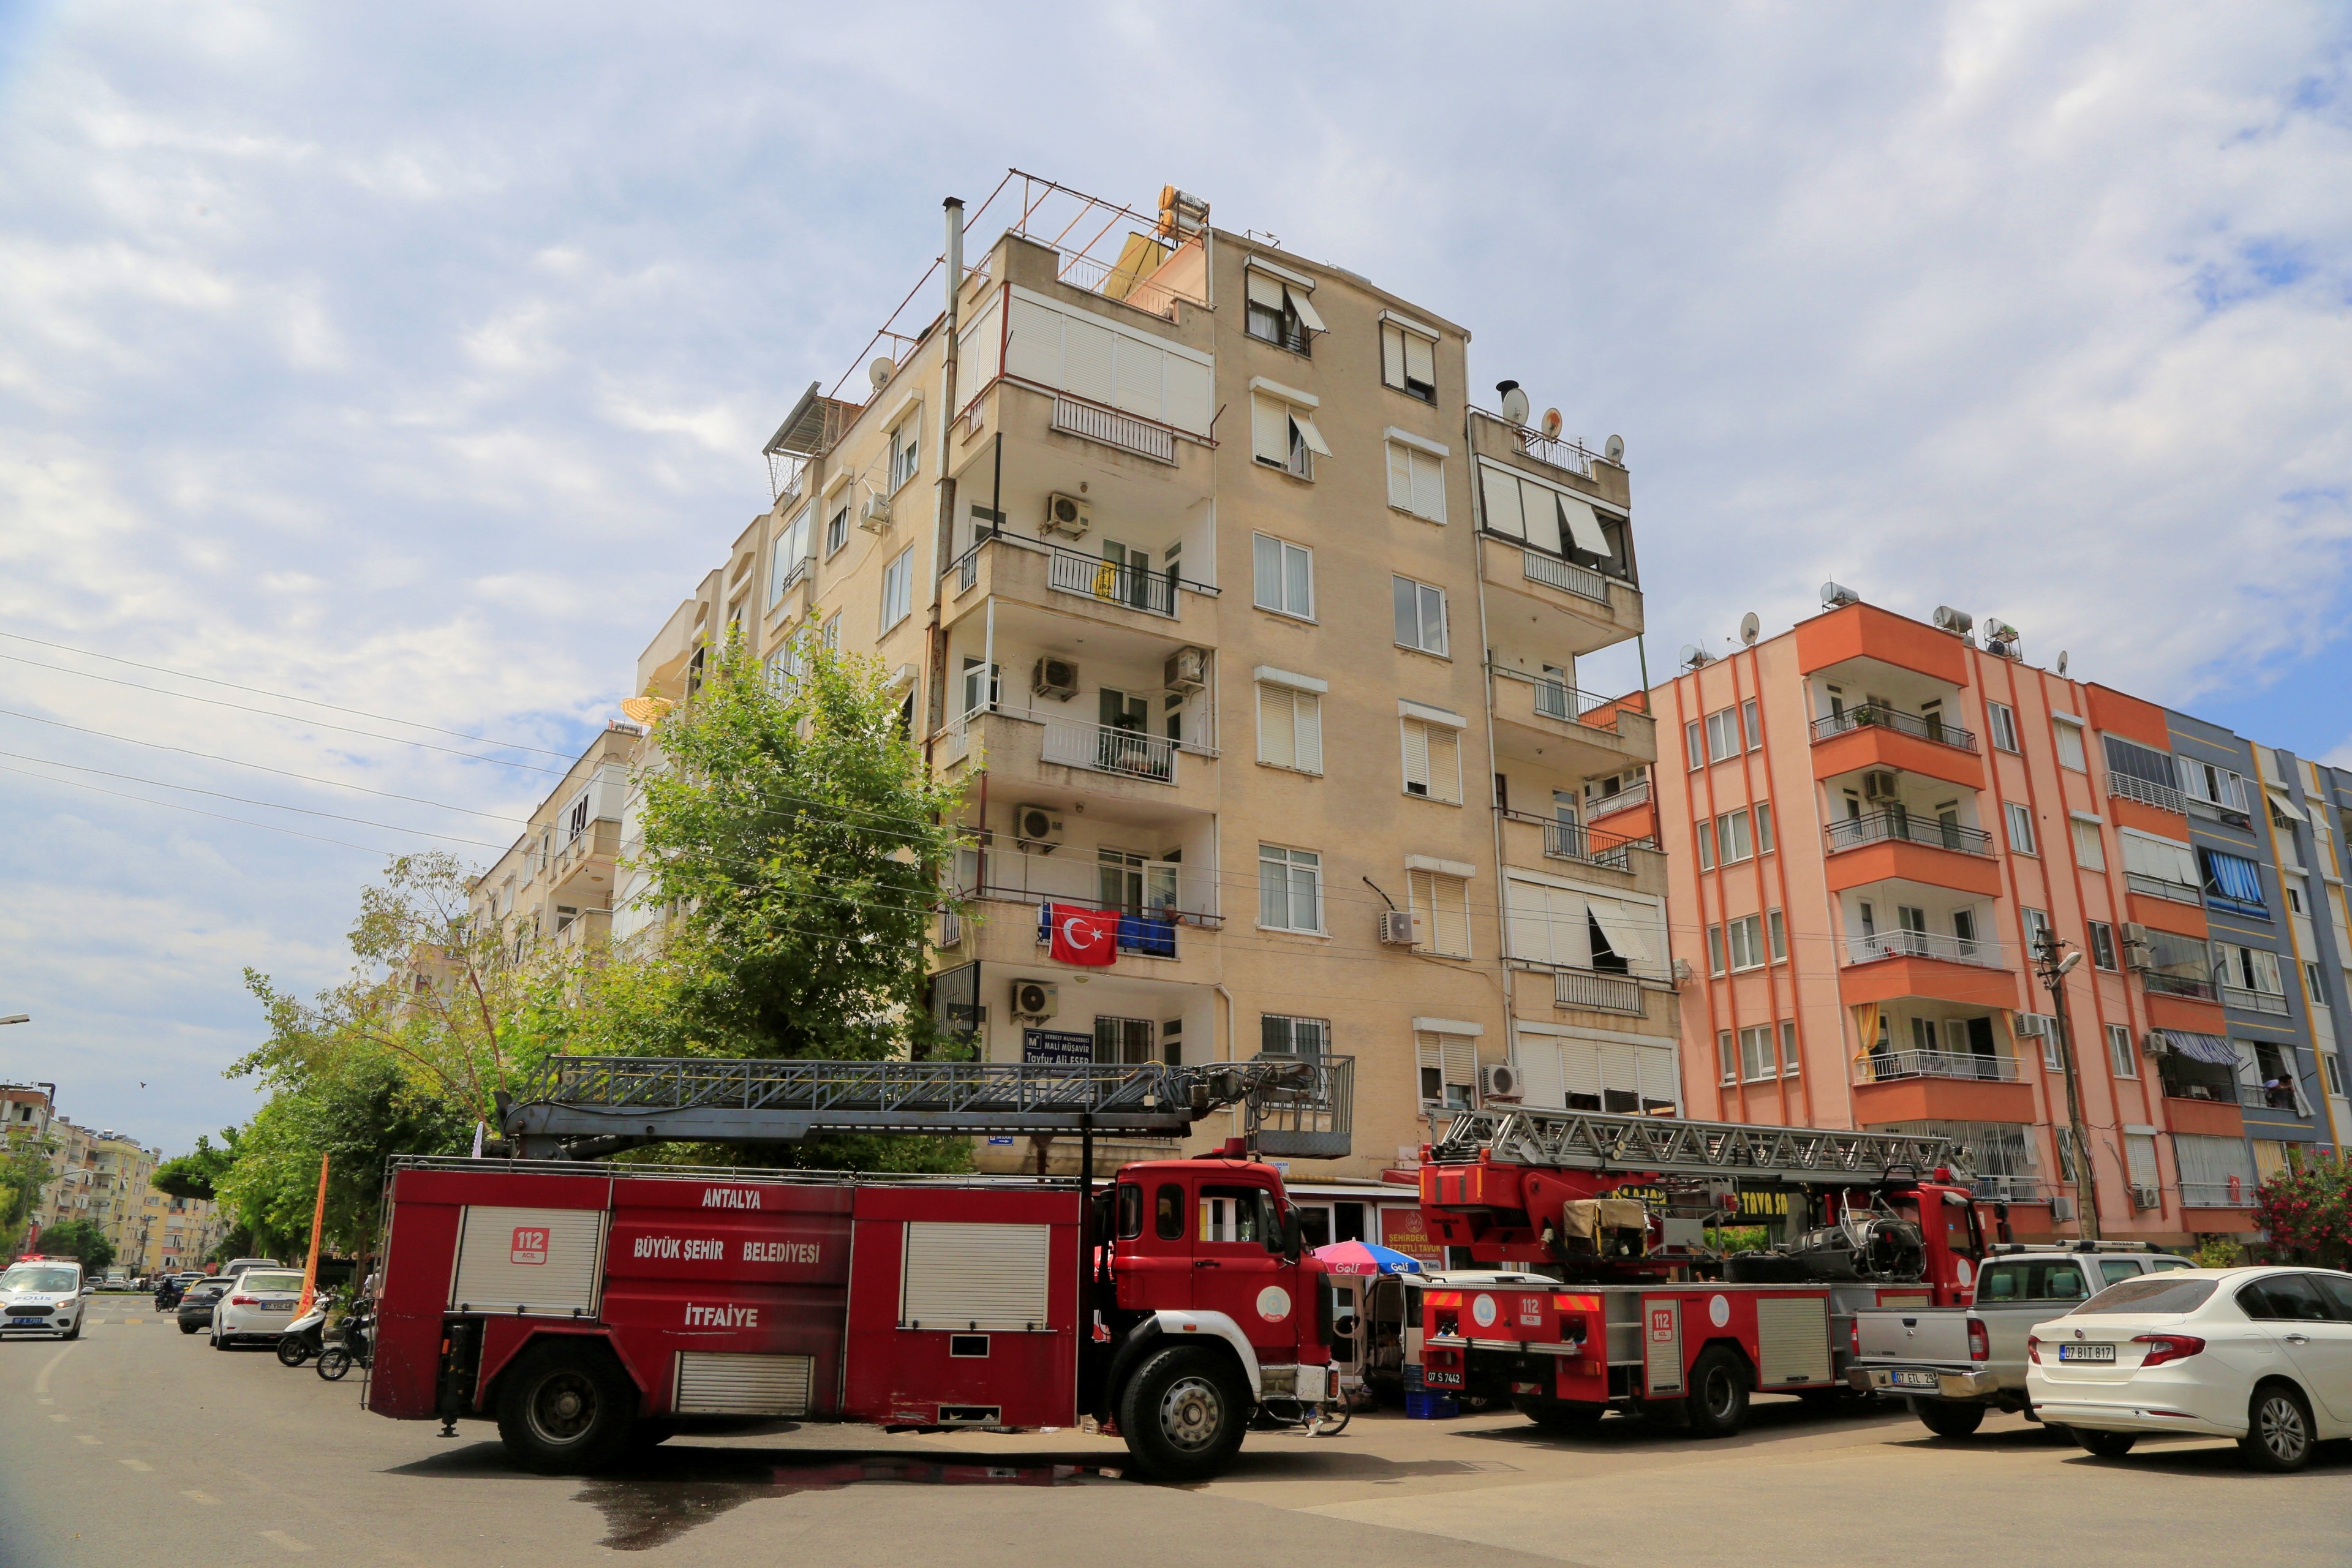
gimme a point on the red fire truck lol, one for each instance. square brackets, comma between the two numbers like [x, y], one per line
[590, 1307]
[1650, 1316]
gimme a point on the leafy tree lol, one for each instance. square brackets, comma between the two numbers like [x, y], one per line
[198, 1174]
[25, 1174]
[79, 1238]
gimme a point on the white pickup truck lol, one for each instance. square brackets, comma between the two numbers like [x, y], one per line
[1953, 1363]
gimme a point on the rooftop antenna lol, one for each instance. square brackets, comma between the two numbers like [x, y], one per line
[1837, 596]
[1750, 627]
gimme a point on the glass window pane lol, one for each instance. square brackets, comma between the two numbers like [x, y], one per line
[1408, 616]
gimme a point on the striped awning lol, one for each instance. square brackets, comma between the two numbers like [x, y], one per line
[2200, 1047]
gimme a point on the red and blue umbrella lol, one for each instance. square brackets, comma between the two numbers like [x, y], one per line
[1364, 1257]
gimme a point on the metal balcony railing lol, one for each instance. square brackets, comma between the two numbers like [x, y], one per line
[1093, 422]
[2162, 985]
[1902, 827]
[1136, 587]
[1565, 576]
[2237, 1192]
[1883, 1067]
[1924, 944]
[2247, 1001]
[1105, 749]
[1586, 845]
[2162, 888]
[1602, 993]
[1558, 699]
[1163, 890]
[2008, 1189]
[2161, 796]
[1870, 715]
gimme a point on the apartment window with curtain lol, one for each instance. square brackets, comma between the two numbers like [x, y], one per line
[905, 451]
[1448, 1068]
[1419, 615]
[1432, 761]
[791, 557]
[2232, 882]
[899, 589]
[1789, 1066]
[2090, 850]
[2019, 821]
[1416, 481]
[1289, 889]
[1441, 904]
[1408, 362]
[1731, 837]
[1763, 828]
[1289, 727]
[2120, 1055]
[2102, 945]
[2037, 926]
[836, 530]
[1727, 1056]
[1282, 576]
[1776, 930]
[1756, 1058]
[1723, 735]
[2070, 745]
[2002, 721]
[1282, 436]
[1714, 950]
[1746, 936]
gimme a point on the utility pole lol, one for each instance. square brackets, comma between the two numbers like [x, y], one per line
[2053, 969]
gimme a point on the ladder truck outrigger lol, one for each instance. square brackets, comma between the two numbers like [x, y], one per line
[1652, 1315]
[592, 1307]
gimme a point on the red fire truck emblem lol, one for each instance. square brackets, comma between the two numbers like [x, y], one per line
[529, 1244]
[1661, 1324]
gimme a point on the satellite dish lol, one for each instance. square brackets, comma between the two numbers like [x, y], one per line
[1515, 402]
[2062, 661]
[1749, 628]
[880, 372]
[1552, 424]
[1694, 657]
[1615, 449]
[1837, 596]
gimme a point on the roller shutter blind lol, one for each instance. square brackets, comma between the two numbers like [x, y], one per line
[1035, 348]
[1270, 428]
[1087, 352]
[1392, 355]
[1420, 358]
[962, 1276]
[1501, 490]
[1305, 306]
[1453, 1058]
[976, 353]
[1308, 434]
[1444, 904]
[1547, 924]
[1264, 288]
[1635, 930]
[1432, 761]
[720, 1383]
[1541, 509]
[536, 1262]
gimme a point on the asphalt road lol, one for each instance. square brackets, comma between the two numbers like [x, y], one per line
[136, 1441]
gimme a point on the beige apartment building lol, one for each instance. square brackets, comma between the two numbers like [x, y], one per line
[103, 1176]
[1199, 569]
[555, 884]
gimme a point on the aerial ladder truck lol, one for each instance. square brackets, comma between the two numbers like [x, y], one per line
[1652, 1314]
[592, 1308]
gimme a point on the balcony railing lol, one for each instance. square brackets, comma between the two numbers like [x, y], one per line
[2237, 1192]
[1602, 993]
[1145, 934]
[1586, 845]
[1106, 749]
[1136, 587]
[2247, 1001]
[2161, 796]
[1093, 422]
[1883, 1066]
[2008, 1189]
[2162, 985]
[1625, 799]
[2162, 888]
[1902, 827]
[1565, 576]
[1558, 699]
[1924, 944]
[1870, 715]
[1161, 889]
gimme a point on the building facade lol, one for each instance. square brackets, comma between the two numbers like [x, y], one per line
[554, 885]
[1234, 618]
[107, 1178]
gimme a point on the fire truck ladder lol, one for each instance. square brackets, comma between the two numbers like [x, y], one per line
[584, 1106]
[1596, 1141]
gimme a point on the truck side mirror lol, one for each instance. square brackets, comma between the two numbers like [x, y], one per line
[1290, 1239]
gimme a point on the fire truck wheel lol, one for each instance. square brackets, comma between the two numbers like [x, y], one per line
[1719, 1392]
[1182, 1413]
[565, 1409]
[1948, 1418]
[1558, 1414]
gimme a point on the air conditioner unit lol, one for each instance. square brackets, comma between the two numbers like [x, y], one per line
[2061, 1208]
[2135, 936]
[1054, 678]
[1038, 999]
[1499, 1081]
[1066, 515]
[874, 513]
[2038, 1026]
[1956, 621]
[2147, 1198]
[1396, 928]
[1683, 971]
[1037, 827]
[2153, 1044]
[1187, 670]
[1880, 784]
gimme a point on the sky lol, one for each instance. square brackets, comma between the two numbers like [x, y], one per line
[416, 361]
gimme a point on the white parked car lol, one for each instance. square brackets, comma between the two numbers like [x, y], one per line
[255, 1306]
[2262, 1355]
[42, 1296]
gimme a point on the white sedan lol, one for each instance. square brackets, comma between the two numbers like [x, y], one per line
[2262, 1355]
[42, 1296]
[258, 1306]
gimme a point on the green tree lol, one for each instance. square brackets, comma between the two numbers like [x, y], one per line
[198, 1174]
[25, 1174]
[79, 1238]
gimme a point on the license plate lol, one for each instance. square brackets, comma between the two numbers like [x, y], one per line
[1915, 1380]
[277, 1305]
[2086, 1352]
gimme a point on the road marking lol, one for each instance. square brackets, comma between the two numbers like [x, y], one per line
[45, 1400]
[199, 1496]
[60, 1417]
[134, 1464]
[279, 1538]
[86, 1437]
[41, 1382]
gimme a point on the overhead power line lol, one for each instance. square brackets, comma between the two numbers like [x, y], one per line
[190, 810]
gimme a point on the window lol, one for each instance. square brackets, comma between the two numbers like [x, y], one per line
[1723, 735]
[1753, 723]
[1714, 950]
[1789, 1063]
[2090, 850]
[974, 699]
[1449, 1069]
[1756, 1059]
[1284, 577]
[1419, 615]
[2217, 787]
[1282, 436]
[2232, 882]
[1123, 1042]
[906, 451]
[2020, 820]
[1408, 362]
[1280, 312]
[1289, 889]
[2070, 745]
[899, 589]
[791, 558]
[2293, 888]
[2102, 945]
[1416, 481]
[1282, 1035]
[836, 530]
[1707, 845]
[1442, 905]
[1290, 727]
[831, 635]
[1432, 761]
[1763, 828]
[1727, 1056]
[2335, 1073]
[2120, 1055]
[2037, 927]
[1776, 930]
[2313, 987]
[2003, 725]
[1731, 837]
[1694, 743]
[1746, 936]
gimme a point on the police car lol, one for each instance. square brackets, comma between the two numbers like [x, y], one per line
[41, 1296]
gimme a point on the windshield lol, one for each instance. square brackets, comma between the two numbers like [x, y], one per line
[208, 1288]
[2032, 1279]
[2153, 1293]
[255, 1279]
[48, 1281]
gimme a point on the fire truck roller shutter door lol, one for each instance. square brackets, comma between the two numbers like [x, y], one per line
[1792, 1340]
[534, 1262]
[718, 1383]
[975, 1276]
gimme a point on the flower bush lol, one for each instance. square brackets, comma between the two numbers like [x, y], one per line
[2308, 1213]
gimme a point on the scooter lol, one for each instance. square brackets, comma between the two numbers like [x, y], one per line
[306, 1336]
[355, 1345]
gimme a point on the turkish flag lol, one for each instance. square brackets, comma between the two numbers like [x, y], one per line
[1083, 936]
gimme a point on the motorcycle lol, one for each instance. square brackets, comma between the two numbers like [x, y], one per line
[168, 1294]
[353, 1345]
[306, 1336]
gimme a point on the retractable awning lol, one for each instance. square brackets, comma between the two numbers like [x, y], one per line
[2285, 802]
[2200, 1047]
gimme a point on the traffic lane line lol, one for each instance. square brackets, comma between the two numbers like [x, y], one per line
[279, 1538]
[41, 1378]
[134, 1464]
[206, 1500]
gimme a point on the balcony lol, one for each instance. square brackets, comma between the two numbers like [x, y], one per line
[1598, 993]
[2165, 888]
[1900, 845]
[1072, 582]
[1886, 1067]
[1100, 759]
[1162, 891]
[1527, 837]
[2233, 1193]
[1589, 609]
[1625, 799]
[2160, 984]
[1854, 747]
[1572, 732]
[2010, 1189]
[2247, 1001]
[1092, 421]
[1924, 728]
[2162, 797]
[1902, 827]
[1944, 949]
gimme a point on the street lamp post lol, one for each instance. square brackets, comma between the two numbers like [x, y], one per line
[2053, 969]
